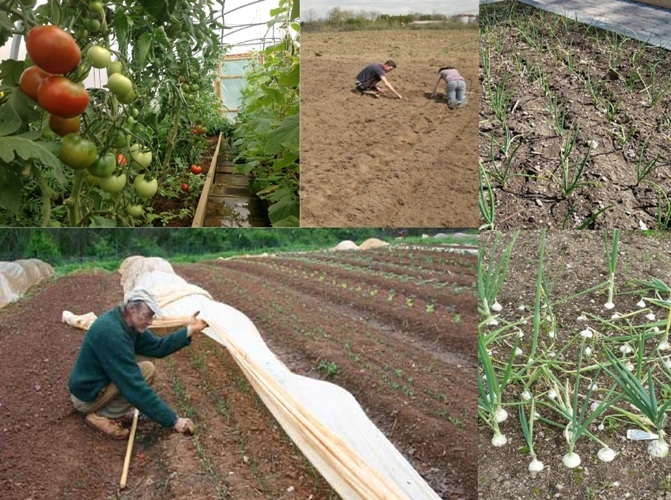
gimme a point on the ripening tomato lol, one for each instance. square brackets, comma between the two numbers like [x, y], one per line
[52, 49]
[141, 157]
[196, 169]
[77, 152]
[30, 80]
[185, 186]
[61, 97]
[64, 126]
[121, 159]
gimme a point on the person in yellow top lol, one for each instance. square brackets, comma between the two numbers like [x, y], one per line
[455, 87]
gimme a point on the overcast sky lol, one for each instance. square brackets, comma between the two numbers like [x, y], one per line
[320, 8]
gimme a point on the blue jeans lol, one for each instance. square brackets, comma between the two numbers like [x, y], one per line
[455, 89]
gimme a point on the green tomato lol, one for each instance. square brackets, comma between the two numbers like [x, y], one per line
[186, 88]
[144, 188]
[195, 87]
[127, 98]
[93, 25]
[99, 56]
[118, 138]
[119, 84]
[141, 157]
[76, 152]
[135, 113]
[104, 165]
[96, 7]
[134, 210]
[114, 67]
[114, 183]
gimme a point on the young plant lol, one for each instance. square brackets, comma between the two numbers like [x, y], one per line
[659, 287]
[528, 430]
[579, 417]
[645, 399]
[610, 248]
[486, 200]
[490, 395]
[491, 276]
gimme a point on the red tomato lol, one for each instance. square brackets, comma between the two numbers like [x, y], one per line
[52, 49]
[185, 186]
[121, 159]
[196, 169]
[64, 126]
[61, 97]
[30, 81]
[194, 131]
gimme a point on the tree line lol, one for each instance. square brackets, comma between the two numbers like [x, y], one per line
[339, 19]
[63, 246]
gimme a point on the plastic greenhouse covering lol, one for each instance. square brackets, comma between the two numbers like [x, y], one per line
[17, 277]
[324, 420]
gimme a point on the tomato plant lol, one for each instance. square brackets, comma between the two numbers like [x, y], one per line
[138, 117]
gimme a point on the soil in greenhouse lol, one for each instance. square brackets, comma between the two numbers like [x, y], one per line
[386, 162]
[239, 451]
[576, 260]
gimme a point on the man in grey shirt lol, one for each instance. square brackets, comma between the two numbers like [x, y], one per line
[367, 79]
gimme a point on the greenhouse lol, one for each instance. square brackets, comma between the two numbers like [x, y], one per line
[149, 116]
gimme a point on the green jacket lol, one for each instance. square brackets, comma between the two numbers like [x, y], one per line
[108, 355]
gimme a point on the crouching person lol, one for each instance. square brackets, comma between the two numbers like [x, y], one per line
[107, 381]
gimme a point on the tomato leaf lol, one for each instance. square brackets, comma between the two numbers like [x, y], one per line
[286, 136]
[19, 148]
[10, 186]
[10, 71]
[6, 27]
[296, 10]
[142, 48]
[159, 9]
[16, 113]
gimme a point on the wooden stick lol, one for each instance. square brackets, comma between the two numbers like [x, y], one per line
[129, 450]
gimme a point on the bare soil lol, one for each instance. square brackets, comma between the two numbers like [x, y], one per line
[576, 259]
[621, 125]
[397, 326]
[384, 162]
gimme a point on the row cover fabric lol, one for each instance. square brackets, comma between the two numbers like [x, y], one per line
[324, 420]
[17, 277]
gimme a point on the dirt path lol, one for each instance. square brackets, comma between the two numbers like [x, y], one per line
[387, 162]
[408, 380]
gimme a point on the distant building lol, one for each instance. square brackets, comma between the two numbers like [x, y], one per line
[466, 18]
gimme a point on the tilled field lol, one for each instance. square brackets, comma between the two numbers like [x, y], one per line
[395, 328]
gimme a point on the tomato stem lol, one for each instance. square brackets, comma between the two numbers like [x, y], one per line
[74, 208]
[48, 194]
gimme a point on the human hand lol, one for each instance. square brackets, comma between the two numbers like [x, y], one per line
[184, 425]
[399, 96]
[195, 325]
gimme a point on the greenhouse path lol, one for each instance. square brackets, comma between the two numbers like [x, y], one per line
[230, 202]
[643, 22]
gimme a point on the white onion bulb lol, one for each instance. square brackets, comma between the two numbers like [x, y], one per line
[571, 460]
[606, 454]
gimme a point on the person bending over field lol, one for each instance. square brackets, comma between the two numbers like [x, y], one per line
[107, 380]
[368, 78]
[455, 87]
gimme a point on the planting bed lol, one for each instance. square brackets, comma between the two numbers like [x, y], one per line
[395, 328]
[574, 261]
[574, 123]
[386, 162]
